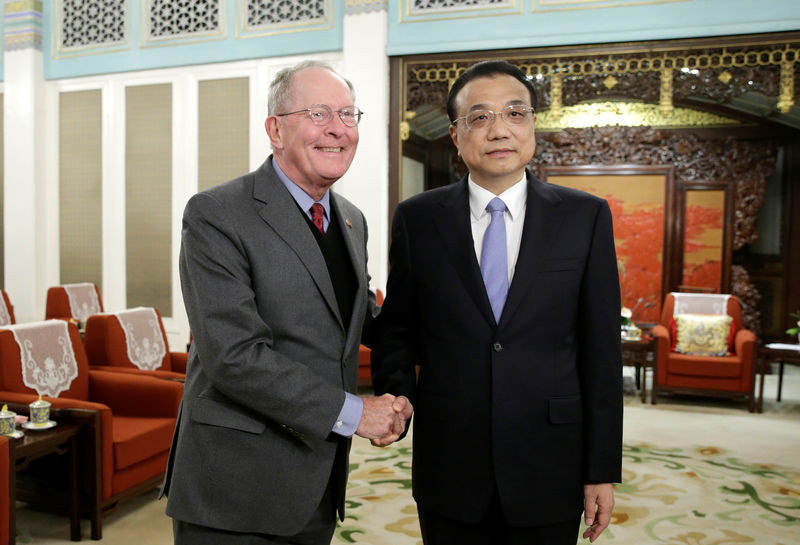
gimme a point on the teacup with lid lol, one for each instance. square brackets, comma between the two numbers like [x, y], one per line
[7, 421]
[40, 412]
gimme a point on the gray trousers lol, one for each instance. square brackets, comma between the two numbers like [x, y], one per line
[318, 531]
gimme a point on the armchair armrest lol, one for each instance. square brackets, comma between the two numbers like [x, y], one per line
[744, 343]
[134, 395]
[178, 360]
[663, 346]
[745, 346]
[23, 399]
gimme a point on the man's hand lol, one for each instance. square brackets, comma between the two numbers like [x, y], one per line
[598, 503]
[379, 420]
[403, 410]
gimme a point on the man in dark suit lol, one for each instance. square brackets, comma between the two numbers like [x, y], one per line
[274, 275]
[504, 291]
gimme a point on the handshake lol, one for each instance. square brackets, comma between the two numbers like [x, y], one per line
[384, 419]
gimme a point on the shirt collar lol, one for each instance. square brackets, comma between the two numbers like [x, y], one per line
[303, 199]
[515, 198]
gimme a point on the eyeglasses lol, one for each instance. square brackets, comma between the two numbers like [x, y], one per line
[515, 114]
[321, 114]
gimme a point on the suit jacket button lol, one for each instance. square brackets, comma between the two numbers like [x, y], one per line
[497, 347]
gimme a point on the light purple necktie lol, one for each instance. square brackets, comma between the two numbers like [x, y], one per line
[494, 260]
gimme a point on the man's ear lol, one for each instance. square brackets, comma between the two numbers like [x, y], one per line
[274, 132]
[454, 135]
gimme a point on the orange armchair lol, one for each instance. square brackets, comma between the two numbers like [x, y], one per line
[107, 349]
[731, 375]
[6, 313]
[124, 450]
[59, 306]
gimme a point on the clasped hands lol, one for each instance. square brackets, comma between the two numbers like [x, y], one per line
[384, 418]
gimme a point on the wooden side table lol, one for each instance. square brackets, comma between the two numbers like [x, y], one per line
[61, 440]
[781, 354]
[641, 354]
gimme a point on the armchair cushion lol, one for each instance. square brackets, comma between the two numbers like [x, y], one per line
[703, 334]
[137, 439]
[705, 366]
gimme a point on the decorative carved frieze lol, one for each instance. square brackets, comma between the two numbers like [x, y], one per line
[748, 295]
[696, 162]
[717, 74]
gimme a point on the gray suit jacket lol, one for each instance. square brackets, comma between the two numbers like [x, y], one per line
[270, 361]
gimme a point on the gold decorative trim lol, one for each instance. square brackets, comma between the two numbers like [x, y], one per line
[786, 96]
[619, 64]
[665, 63]
[405, 126]
[556, 99]
[627, 114]
[665, 102]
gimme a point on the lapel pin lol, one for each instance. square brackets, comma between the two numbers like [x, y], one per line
[348, 223]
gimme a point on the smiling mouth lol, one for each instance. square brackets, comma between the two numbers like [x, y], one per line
[500, 152]
[330, 150]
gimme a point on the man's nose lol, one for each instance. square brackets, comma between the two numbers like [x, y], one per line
[498, 128]
[335, 125]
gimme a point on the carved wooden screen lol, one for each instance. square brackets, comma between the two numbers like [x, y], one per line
[640, 200]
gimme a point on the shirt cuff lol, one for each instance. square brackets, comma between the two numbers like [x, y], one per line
[350, 416]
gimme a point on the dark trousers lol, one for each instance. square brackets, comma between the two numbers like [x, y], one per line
[494, 530]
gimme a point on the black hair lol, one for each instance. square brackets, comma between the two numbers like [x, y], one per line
[486, 69]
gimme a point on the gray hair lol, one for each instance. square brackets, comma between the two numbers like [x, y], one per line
[280, 90]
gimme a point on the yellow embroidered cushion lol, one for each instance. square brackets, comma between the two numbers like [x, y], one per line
[703, 334]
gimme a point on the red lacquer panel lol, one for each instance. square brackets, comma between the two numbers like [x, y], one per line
[703, 239]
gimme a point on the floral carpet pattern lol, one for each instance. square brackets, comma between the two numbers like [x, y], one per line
[697, 495]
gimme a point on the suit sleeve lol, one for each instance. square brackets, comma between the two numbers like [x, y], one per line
[393, 356]
[599, 356]
[233, 343]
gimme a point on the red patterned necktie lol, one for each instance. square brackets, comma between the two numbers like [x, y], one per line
[317, 212]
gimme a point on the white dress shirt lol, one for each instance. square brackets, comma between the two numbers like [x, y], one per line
[516, 198]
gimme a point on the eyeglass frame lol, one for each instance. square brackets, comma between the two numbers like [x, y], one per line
[356, 115]
[502, 113]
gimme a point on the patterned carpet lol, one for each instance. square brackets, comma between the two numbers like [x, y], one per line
[693, 495]
[693, 475]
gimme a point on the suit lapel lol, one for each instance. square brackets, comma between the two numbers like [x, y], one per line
[542, 222]
[453, 224]
[280, 211]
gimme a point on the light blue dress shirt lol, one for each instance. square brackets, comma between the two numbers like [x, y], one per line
[350, 415]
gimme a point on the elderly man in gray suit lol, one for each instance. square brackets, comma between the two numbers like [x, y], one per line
[274, 275]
